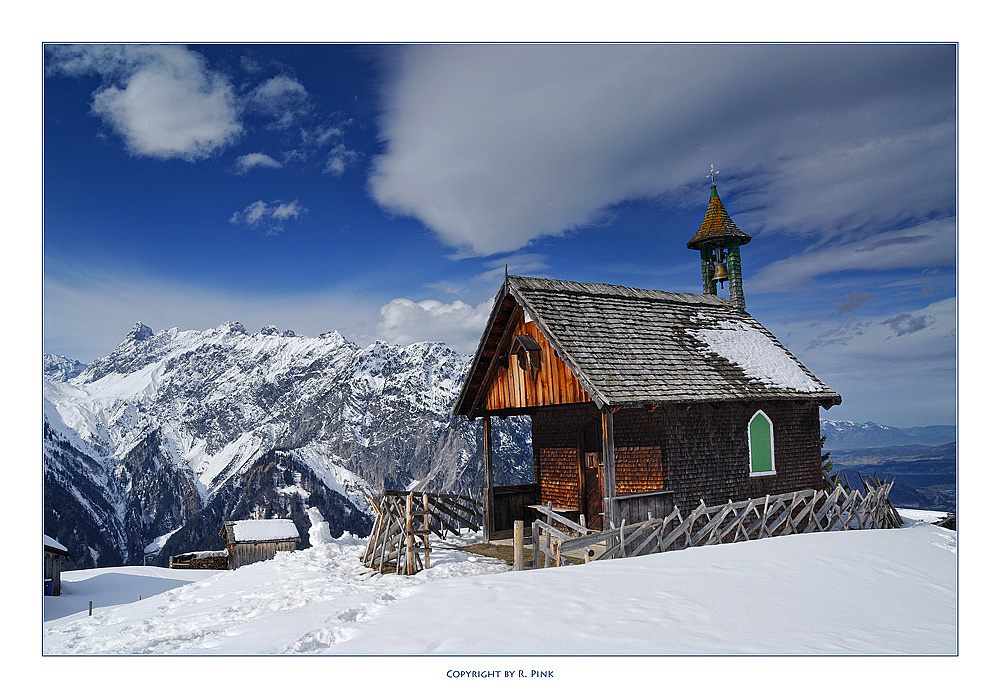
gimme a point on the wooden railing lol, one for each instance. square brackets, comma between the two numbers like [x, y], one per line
[637, 507]
[404, 522]
[804, 511]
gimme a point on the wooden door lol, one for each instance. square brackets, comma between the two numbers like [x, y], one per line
[593, 490]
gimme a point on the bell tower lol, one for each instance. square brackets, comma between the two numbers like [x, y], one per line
[719, 240]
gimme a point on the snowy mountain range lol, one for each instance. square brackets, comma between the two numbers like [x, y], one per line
[841, 434]
[148, 450]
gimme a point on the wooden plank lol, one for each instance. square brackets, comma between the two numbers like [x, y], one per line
[608, 444]
[488, 494]
[518, 545]
[443, 512]
[535, 544]
[427, 530]
[548, 512]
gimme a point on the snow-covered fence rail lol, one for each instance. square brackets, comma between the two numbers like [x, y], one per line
[804, 511]
[404, 522]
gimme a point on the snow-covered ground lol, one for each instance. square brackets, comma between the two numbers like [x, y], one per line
[844, 593]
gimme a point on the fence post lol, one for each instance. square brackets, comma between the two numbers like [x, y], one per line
[518, 545]
[535, 546]
[411, 554]
[427, 531]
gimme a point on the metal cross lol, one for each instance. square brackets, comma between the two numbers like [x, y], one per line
[712, 172]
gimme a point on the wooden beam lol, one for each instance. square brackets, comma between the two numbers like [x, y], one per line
[512, 321]
[608, 447]
[488, 492]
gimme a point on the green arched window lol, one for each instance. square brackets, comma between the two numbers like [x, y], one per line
[760, 432]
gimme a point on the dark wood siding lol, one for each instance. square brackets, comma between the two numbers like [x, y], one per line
[706, 454]
[688, 453]
[53, 570]
[510, 503]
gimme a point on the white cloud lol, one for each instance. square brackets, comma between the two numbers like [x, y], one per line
[245, 163]
[283, 98]
[457, 324]
[163, 101]
[339, 159]
[494, 146]
[269, 216]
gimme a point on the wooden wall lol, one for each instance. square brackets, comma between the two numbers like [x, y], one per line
[247, 553]
[511, 387]
[510, 503]
[53, 570]
[694, 453]
[706, 455]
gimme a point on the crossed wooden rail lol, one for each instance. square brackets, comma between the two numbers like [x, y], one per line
[404, 522]
[804, 511]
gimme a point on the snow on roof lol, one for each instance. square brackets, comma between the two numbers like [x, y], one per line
[53, 543]
[757, 355]
[262, 529]
[202, 555]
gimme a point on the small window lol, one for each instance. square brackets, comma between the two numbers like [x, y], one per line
[760, 432]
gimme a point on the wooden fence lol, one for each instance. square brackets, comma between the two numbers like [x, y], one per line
[405, 521]
[556, 540]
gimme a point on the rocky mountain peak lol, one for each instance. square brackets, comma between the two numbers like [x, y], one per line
[138, 333]
[60, 368]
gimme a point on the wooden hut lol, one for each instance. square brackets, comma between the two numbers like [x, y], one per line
[255, 540]
[641, 400]
[53, 553]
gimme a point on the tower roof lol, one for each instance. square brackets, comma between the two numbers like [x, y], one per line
[717, 225]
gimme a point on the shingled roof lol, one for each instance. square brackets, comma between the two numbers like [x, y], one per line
[717, 225]
[631, 346]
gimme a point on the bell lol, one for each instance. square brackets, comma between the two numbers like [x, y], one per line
[721, 273]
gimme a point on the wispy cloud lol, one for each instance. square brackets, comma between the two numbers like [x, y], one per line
[164, 101]
[927, 245]
[339, 159]
[493, 147]
[871, 360]
[282, 98]
[270, 217]
[245, 163]
[854, 301]
[905, 323]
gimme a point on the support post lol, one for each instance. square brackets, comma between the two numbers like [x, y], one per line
[488, 490]
[608, 447]
[536, 546]
[427, 531]
[518, 545]
[411, 553]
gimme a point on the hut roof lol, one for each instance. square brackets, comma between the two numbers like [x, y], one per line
[260, 531]
[631, 346]
[53, 546]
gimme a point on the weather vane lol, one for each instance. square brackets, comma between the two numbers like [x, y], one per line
[712, 172]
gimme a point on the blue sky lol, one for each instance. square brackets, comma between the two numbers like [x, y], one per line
[379, 190]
